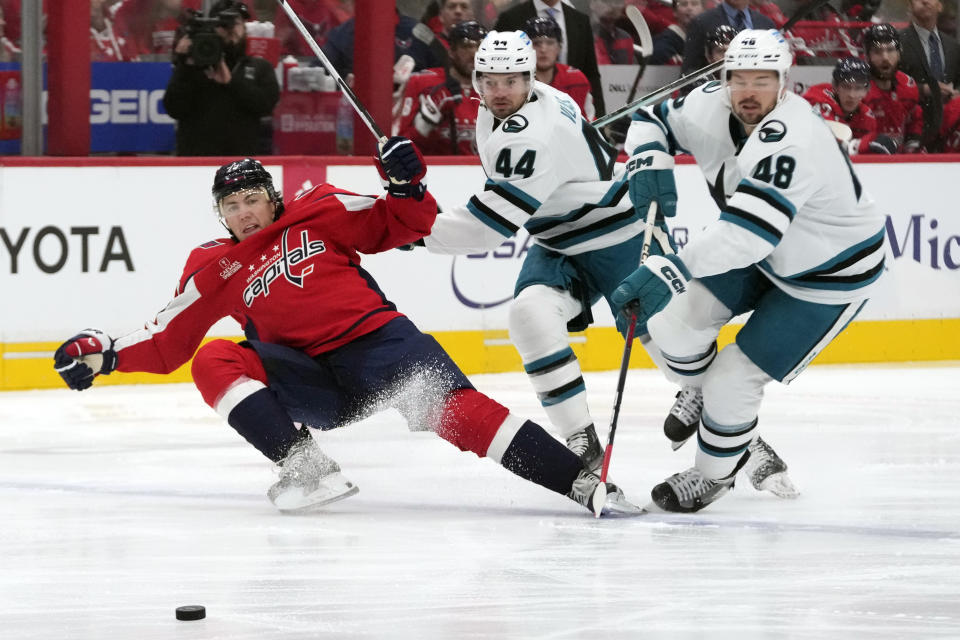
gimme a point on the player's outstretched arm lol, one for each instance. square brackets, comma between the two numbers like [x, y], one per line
[83, 357]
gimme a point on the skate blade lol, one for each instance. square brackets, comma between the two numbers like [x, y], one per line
[780, 485]
[676, 444]
[305, 504]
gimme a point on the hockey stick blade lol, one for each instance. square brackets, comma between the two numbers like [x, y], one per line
[679, 83]
[640, 25]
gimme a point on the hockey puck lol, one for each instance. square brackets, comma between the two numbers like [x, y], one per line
[191, 612]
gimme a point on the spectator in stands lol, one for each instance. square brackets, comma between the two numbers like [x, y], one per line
[218, 108]
[932, 58]
[813, 40]
[105, 44]
[770, 9]
[842, 101]
[149, 27]
[409, 39]
[893, 96]
[613, 45]
[546, 37]
[668, 44]
[658, 14]
[439, 108]
[576, 48]
[449, 14]
[735, 13]
[318, 16]
[9, 51]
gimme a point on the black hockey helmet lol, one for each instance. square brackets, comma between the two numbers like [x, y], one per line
[537, 27]
[468, 30]
[880, 34]
[852, 71]
[241, 175]
[229, 9]
[719, 37]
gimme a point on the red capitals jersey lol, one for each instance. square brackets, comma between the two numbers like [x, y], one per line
[897, 111]
[146, 28]
[572, 82]
[457, 132]
[862, 122]
[950, 129]
[297, 282]
[318, 16]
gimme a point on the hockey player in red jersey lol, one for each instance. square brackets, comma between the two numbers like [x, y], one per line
[547, 39]
[438, 110]
[950, 129]
[324, 347]
[893, 96]
[842, 101]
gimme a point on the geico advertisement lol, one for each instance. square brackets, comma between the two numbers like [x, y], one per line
[104, 246]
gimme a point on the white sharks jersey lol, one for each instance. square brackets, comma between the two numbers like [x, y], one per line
[790, 201]
[549, 171]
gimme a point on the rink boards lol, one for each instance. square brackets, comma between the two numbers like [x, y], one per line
[100, 243]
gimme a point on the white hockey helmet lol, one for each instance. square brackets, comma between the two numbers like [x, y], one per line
[759, 50]
[505, 52]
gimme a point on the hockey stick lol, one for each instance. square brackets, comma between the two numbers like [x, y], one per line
[347, 91]
[644, 49]
[627, 347]
[679, 83]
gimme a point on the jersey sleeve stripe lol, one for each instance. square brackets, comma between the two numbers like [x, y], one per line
[643, 116]
[845, 259]
[491, 218]
[611, 198]
[576, 236]
[661, 110]
[515, 196]
[771, 197]
[754, 224]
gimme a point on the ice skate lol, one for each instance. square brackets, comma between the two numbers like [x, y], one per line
[684, 416]
[688, 491]
[587, 447]
[767, 471]
[602, 498]
[309, 479]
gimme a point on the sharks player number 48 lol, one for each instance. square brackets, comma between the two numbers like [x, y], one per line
[798, 242]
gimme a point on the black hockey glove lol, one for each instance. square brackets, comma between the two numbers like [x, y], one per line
[883, 145]
[85, 355]
[402, 166]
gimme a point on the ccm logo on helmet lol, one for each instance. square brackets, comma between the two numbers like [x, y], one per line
[675, 281]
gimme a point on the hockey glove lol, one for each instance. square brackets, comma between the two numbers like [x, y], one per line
[402, 166]
[649, 289]
[85, 355]
[428, 117]
[650, 172]
[882, 145]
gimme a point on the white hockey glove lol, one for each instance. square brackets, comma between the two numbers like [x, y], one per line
[428, 117]
[89, 353]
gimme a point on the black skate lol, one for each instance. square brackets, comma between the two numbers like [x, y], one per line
[587, 447]
[684, 416]
[767, 471]
[688, 491]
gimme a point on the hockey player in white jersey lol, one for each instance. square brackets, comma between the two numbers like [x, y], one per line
[550, 172]
[798, 243]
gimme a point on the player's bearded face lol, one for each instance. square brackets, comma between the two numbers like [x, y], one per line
[753, 94]
[246, 212]
[462, 55]
[884, 59]
[504, 93]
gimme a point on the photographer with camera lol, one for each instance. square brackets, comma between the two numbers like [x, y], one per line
[217, 93]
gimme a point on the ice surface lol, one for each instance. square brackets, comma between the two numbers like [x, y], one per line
[121, 503]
